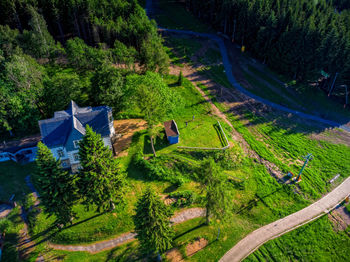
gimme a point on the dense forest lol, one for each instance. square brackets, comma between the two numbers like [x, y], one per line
[52, 51]
[297, 38]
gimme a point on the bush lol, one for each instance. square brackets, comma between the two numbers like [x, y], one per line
[185, 198]
[154, 171]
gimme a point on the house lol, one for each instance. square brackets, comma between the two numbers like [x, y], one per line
[21, 151]
[62, 133]
[172, 132]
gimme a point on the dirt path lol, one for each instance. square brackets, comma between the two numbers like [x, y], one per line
[260, 236]
[230, 99]
[127, 237]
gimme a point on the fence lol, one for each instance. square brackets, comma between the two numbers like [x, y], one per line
[210, 148]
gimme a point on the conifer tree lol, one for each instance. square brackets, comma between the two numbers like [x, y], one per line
[213, 184]
[100, 181]
[57, 187]
[152, 223]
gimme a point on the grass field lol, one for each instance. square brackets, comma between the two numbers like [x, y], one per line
[316, 241]
[283, 141]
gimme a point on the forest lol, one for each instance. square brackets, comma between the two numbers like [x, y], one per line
[80, 50]
[295, 38]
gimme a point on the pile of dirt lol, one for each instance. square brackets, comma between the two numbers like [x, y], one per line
[195, 246]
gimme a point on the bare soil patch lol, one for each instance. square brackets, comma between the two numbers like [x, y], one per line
[124, 131]
[197, 245]
[174, 255]
[340, 218]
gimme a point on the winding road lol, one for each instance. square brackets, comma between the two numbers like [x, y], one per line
[228, 70]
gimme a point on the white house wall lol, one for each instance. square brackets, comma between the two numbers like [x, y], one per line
[107, 141]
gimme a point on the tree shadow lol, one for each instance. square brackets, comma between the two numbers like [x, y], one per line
[254, 202]
[54, 230]
[190, 230]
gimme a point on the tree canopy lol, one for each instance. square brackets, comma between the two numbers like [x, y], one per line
[298, 38]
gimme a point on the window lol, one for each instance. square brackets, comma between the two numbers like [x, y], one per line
[76, 143]
[76, 157]
[60, 153]
[65, 163]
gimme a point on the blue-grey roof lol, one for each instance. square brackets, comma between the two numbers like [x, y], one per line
[56, 131]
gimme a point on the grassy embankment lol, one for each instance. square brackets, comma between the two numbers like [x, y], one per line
[283, 141]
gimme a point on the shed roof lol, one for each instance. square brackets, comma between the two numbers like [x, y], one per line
[171, 128]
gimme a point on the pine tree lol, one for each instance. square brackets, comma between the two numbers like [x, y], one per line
[99, 180]
[57, 187]
[152, 223]
[213, 184]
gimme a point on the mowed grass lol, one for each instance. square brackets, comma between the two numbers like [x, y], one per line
[12, 177]
[200, 132]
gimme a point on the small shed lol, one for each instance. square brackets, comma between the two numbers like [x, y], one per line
[172, 132]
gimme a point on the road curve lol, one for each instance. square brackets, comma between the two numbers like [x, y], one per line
[235, 84]
[260, 236]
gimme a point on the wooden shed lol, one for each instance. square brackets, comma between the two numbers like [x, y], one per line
[172, 132]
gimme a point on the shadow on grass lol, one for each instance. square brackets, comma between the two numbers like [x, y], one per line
[52, 231]
[254, 202]
[190, 230]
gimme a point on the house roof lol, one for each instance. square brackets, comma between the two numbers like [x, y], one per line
[55, 131]
[171, 128]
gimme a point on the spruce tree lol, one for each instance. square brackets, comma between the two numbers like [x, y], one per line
[57, 187]
[216, 194]
[99, 180]
[152, 223]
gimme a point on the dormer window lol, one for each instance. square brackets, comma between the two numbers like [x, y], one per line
[76, 143]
